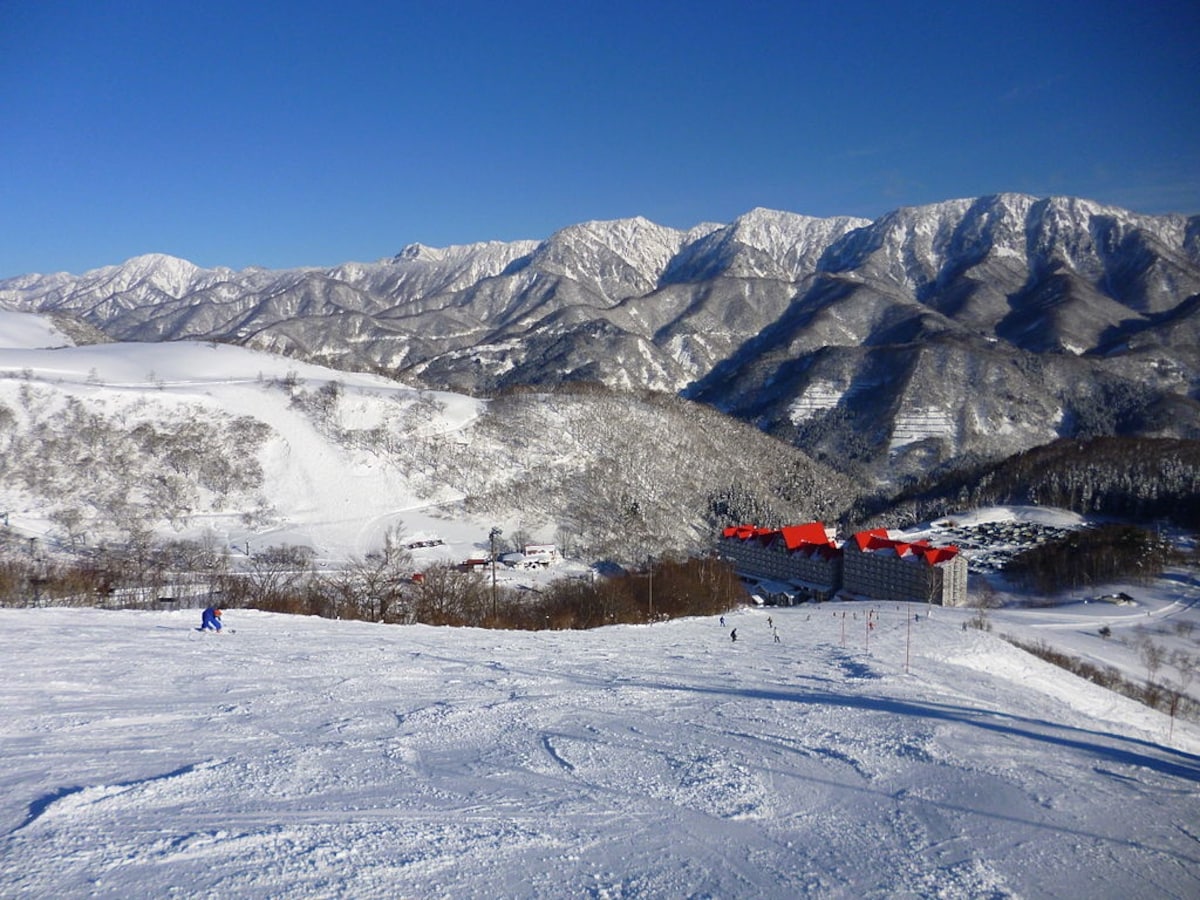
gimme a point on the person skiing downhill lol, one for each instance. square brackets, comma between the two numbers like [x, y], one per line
[211, 619]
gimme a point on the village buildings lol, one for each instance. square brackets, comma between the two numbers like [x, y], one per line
[808, 560]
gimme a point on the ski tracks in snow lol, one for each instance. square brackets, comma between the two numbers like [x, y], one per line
[310, 758]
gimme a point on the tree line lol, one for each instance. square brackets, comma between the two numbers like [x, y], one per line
[379, 587]
[1090, 556]
[1140, 479]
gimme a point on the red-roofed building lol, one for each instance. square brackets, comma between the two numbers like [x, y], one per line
[801, 556]
[874, 565]
[869, 564]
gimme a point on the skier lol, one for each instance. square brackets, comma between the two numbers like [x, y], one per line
[733, 635]
[211, 619]
[722, 621]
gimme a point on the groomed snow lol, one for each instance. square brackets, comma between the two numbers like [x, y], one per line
[300, 757]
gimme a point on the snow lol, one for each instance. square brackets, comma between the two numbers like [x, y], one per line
[921, 424]
[1039, 515]
[818, 397]
[338, 516]
[299, 757]
[22, 330]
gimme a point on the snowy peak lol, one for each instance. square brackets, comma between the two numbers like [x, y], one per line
[168, 274]
[918, 246]
[617, 258]
[763, 243]
[418, 251]
[487, 255]
[785, 234]
[423, 270]
[909, 245]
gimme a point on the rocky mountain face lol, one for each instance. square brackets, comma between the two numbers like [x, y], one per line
[966, 329]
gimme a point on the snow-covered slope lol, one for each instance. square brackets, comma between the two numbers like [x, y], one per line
[25, 331]
[303, 757]
[98, 395]
[207, 440]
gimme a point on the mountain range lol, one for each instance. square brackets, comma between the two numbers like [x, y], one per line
[964, 330]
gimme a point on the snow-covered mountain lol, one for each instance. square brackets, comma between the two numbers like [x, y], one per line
[105, 443]
[980, 327]
[973, 327]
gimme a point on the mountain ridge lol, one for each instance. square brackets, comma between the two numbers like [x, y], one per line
[1041, 304]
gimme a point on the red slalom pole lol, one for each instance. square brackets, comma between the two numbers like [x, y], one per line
[908, 644]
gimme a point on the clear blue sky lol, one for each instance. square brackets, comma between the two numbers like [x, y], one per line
[312, 133]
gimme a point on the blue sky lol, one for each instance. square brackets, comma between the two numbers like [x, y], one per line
[313, 133]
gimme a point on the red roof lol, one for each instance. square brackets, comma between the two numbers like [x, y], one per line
[935, 555]
[877, 539]
[812, 538]
[794, 537]
[745, 532]
[870, 540]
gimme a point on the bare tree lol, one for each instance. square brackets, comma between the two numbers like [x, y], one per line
[1153, 655]
[379, 580]
[275, 575]
[447, 596]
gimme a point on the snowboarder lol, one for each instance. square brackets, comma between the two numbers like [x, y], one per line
[733, 635]
[770, 624]
[775, 631]
[722, 621]
[211, 619]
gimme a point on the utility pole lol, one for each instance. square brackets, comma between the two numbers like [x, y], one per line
[492, 535]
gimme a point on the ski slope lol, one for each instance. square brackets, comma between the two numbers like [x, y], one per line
[299, 757]
[337, 500]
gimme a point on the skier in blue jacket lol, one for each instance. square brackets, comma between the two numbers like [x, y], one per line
[211, 620]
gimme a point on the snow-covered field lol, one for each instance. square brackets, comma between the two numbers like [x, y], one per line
[300, 757]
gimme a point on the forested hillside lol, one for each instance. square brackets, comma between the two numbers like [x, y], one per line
[110, 444]
[1138, 478]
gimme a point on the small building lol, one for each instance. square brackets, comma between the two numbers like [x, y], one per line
[525, 561]
[546, 554]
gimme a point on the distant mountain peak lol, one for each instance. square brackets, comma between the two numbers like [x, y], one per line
[418, 251]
